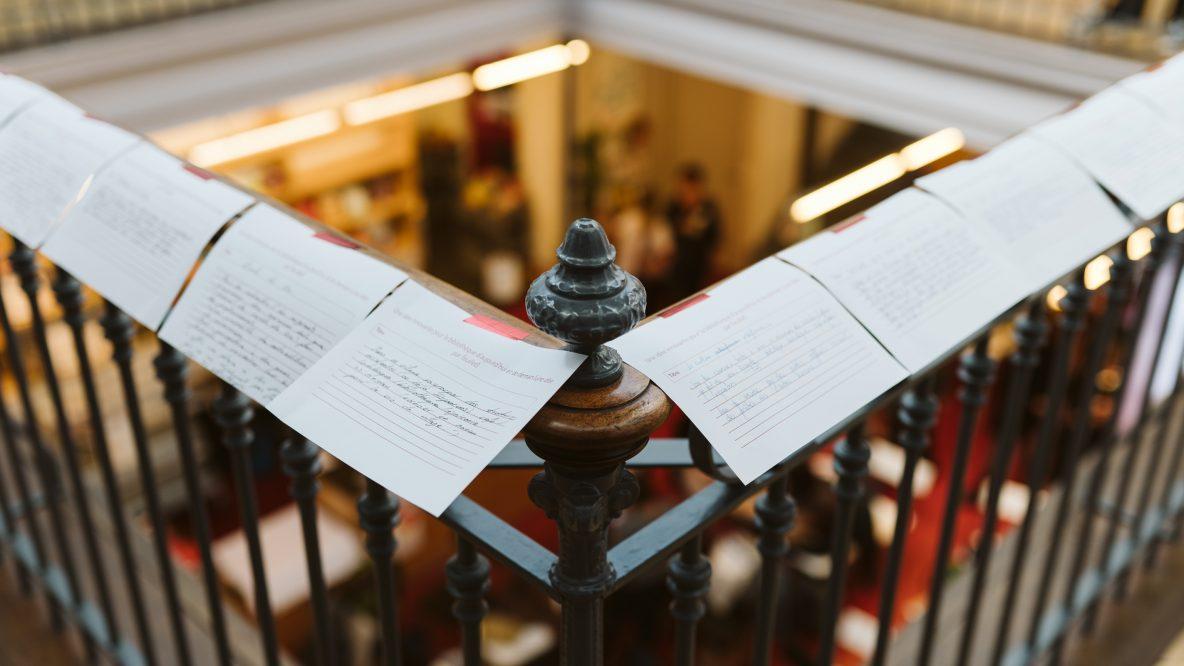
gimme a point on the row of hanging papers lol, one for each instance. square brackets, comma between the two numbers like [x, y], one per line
[384, 374]
[420, 395]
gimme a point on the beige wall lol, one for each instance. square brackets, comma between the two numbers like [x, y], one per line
[539, 143]
[749, 143]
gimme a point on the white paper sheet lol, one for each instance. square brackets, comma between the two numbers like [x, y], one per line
[911, 271]
[1046, 214]
[139, 229]
[1126, 146]
[16, 93]
[1163, 88]
[420, 399]
[270, 299]
[47, 154]
[763, 365]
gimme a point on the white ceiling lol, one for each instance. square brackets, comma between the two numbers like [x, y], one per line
[908, 73]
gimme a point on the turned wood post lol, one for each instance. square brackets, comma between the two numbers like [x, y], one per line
[600, 418]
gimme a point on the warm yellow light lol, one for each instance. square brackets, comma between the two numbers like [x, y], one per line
[527, 66]
[877, 174]
[268, 137]
[1097, 272]
[410, 98]
[1054, 297]
[579, 51]
[847, 189]
[932, 148]
[1138, 244]
[1176, 218]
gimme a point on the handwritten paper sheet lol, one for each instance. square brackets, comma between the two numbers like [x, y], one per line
[1162, 87]
[1129, 148]
[911, 271]
[1046, 214]
[139, 229]
[420, 399]
[270, 299]
[47, 154]
[16, 93]
[764, 364]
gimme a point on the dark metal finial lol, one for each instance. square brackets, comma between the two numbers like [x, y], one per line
[587, 300]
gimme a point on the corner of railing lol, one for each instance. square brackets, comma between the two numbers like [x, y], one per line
[600, 418]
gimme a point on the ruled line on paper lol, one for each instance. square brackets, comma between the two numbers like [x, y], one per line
[916, 275]
[403, 374]
[414, 381]
[750, 313]
[767, 364]
[270, 300]
[340, 409]
[467, 372]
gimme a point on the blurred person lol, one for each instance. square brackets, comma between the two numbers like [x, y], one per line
[694, 217]
[645, 244]
[627, 228]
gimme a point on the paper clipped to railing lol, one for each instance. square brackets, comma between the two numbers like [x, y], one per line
[1162, 87]
[140, 227]
[270, 299]
[48, 152]
[914, 273]
[763, 364]
[1124, 144]
[16, 93]
[422, 396]
[1044, 213]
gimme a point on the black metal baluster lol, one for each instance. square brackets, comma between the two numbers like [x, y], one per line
[976, 371]
[172, 369]
[586, 300]
[302, 463]
[468, 582]
[9, 530]
[1115, 303]
[70, 297]
[1173, 531]
[1163, 412]
[233, 413]
[918, 411]
[24, 496]
[1119, 296]
[688, 577]
[24, 264]
[1174, 434]
[775, 512]
[43, 463]
[1075, 305]
[378, 513]
[851, 456]
[119, 330]
[1062, 347]
[1159, 250]
[1030, 334]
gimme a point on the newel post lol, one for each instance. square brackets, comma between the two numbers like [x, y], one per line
[598, 420]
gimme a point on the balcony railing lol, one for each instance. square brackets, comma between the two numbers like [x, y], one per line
[1118, 500]
[25, 23]
[1128, 27]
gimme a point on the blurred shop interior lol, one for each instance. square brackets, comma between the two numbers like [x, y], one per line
[472, 173]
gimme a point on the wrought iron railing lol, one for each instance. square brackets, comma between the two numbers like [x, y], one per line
[25, 23]
[1120, 498]
[1129, 27]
